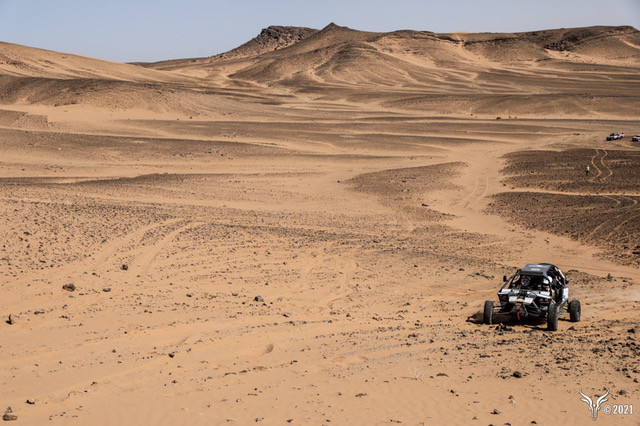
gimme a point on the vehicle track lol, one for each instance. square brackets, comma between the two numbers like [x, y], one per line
[592, 235]
[302, 283]
[621, 224]
[618, 202]
[478, 192]
[114, 246]
[142, 263]
[573, 193]
[344, 289]
[483, 188]
[593, 163]
[604, 166]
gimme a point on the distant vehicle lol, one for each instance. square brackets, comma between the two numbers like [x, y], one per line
[636, 138]
[538, 290]
[615, 136]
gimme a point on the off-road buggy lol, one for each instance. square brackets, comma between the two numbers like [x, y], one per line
[615, 136]
[539, 290]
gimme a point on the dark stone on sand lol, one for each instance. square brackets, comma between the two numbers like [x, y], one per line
[9, 416]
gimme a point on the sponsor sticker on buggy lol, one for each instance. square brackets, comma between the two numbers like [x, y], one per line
[536, 268]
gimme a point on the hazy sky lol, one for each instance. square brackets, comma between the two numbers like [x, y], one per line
[146, 30]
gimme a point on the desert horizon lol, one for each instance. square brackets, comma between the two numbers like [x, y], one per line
[305, 229]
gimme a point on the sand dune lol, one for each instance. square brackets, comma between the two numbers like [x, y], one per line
[304, 229]
[403, 65]
[22, 61]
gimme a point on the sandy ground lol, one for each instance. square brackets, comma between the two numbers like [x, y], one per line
[296, 255]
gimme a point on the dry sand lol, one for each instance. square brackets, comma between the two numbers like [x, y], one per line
[308, 235]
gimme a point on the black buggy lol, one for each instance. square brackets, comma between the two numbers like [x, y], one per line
[539, 290]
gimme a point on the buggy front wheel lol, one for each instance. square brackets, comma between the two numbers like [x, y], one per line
[487, 316]
[574, 310]
[552, 317]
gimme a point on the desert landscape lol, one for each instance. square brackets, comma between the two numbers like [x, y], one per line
[304, 229]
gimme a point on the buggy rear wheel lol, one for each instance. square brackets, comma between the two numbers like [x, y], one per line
[487, 317]
[552, 317]
[574, 310]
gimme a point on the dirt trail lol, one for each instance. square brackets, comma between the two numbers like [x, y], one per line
[482, 179]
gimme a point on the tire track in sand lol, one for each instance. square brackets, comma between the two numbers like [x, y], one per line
[612, 218]
[469, 195]
[114, 246]
[593, 163]
[479, 191]
[483, 187]
[141, 264]
[344, 289]
[604, 166]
